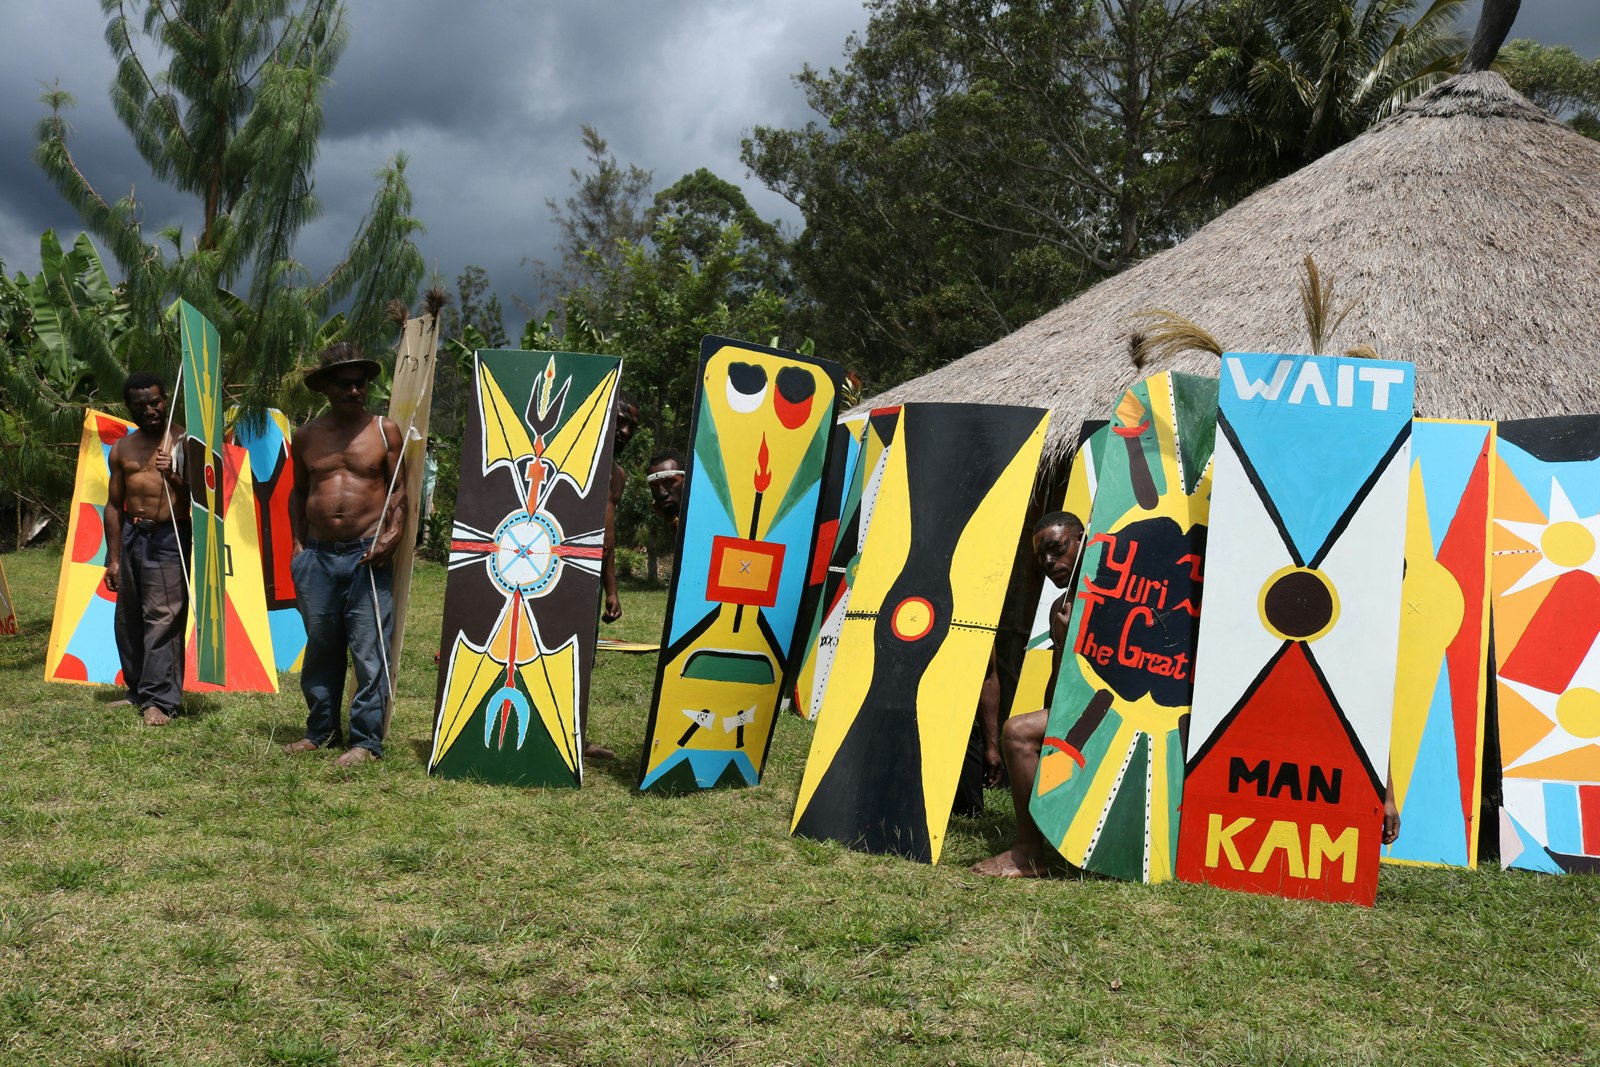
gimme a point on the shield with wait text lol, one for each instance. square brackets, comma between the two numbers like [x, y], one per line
[1288, 743]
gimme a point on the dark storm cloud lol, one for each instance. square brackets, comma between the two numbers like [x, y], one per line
[487, 98]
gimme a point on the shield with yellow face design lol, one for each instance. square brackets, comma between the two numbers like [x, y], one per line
[760, 444]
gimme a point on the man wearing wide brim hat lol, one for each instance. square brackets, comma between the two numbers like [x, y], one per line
[347, 511]
[336, 358]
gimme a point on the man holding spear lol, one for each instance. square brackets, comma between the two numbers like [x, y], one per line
[347, 512]
[147, 545]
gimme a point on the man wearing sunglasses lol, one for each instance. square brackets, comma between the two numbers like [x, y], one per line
[347, 511]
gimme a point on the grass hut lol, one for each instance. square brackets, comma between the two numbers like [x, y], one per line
[1466, 229]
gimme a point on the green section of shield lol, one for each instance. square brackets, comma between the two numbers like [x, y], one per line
[1195, 401]
[1119, 850]
[1175, 770]
[714, 666]
[518, 375]
[203, 420]
[538, 762]
[708, 459]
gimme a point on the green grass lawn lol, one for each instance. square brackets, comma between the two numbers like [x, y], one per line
[190, 895]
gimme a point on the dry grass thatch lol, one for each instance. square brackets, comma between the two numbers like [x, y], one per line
[1465, 229]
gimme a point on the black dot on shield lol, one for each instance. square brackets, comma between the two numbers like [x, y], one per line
[1299, 604]
[795, 385]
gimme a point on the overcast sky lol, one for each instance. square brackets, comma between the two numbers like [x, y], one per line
[487, 97]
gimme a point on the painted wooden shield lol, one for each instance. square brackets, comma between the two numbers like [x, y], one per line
[921, 621]
[203, 420]
[877, 434]
[1111, 773]
[762, 423]
[521, 602]
[272, 476]
[841, 496]
[1546, 589]
[83, 645]
[1294, 685]
[1436, 755]
[410, 404]
[1034, 678]
[248, 663]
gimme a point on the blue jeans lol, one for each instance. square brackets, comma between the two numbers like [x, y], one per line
[336, 600]
[152, 610]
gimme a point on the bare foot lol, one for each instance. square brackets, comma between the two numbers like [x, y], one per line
[300, 747]
[123, 703]
[1011, 864]
[355, 758]
[154, 716]
[592, 751]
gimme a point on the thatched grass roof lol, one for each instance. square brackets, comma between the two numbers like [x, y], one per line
[1466, 227]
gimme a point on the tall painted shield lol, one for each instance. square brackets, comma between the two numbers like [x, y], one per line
[840, 495]
[877, 433]
[521, 602]
[410, 405]
[1110, 776]
[272, 477]
[1288, 743]
[202, 412]
[762, 423]
[1436, 755]
[83, 644]
[921, 622]
[249, 660]
[1546, 589]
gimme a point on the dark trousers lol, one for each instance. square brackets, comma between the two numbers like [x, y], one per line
[152, 611]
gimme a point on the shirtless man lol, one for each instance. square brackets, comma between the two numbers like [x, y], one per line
[666, 486]
[344, 464]
[146, 549]
[1057, 537]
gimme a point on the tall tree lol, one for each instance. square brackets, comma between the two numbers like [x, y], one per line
[223, 99]
[609, 204]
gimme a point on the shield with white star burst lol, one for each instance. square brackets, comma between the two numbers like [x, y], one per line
[522, 599]
[1546, 585]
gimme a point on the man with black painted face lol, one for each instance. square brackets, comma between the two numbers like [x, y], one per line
[1057, 537]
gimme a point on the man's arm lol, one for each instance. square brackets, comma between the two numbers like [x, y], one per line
[608, 554]
[113, 519]
[393, 520]
[1060, 614]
